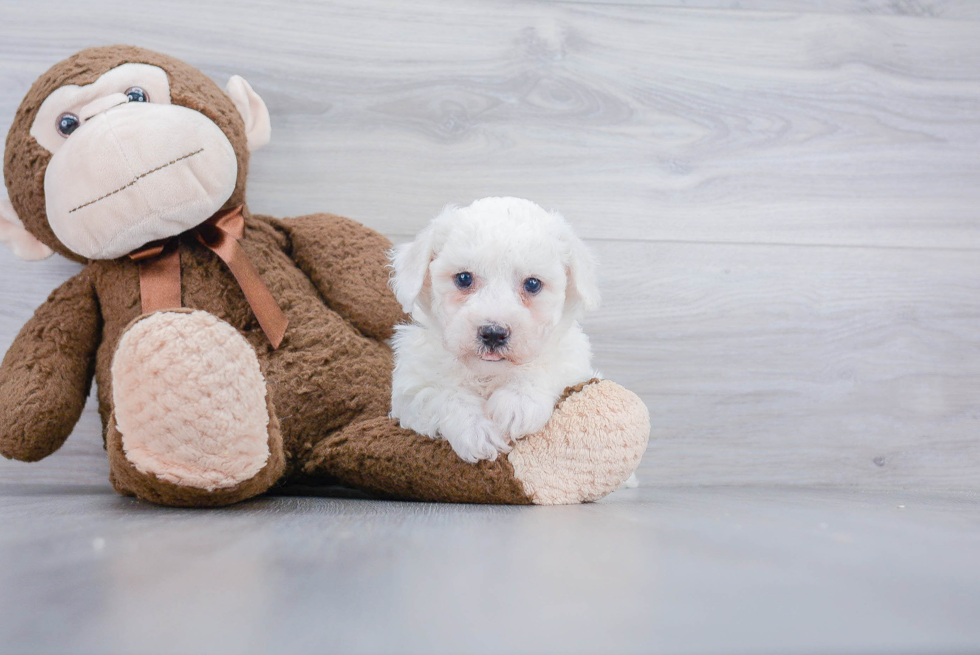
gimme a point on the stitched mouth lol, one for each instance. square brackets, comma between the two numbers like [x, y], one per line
[137, 179]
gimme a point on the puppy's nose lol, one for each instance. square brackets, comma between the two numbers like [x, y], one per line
[493, 336]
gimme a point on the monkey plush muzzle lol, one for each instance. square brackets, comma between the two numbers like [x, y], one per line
[135, 173]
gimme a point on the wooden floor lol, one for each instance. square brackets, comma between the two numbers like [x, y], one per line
[785, 199]
[667, 570]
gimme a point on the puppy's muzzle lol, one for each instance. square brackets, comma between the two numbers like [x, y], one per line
[493, 336]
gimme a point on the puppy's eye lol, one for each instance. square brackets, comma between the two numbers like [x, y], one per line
[463, 280]
[532, 285]
[67, 123]
[136, 94]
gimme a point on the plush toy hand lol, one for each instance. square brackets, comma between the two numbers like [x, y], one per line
[46, 373]
[12, 234]
[346, 262]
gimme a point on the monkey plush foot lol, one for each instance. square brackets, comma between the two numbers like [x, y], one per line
[592, 444]
[192, 423]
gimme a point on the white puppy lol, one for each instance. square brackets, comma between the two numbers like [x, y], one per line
[495, 291]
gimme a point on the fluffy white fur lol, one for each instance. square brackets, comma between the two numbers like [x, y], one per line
[448, 382]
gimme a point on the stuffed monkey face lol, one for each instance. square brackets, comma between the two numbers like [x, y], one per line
[131, 148]
[127, 166]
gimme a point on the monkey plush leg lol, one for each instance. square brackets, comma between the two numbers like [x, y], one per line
[592, 444]
[192, 423]
[377, 455]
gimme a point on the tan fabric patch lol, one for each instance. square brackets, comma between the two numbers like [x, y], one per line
[591, 445]
[574, 389]
[190, 401]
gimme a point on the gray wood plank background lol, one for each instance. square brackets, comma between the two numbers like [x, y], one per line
[783, 194]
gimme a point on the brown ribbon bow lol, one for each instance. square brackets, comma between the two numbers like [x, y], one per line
[159, 264]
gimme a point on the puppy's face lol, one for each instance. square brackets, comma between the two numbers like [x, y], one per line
[497, 294]
[496, 279]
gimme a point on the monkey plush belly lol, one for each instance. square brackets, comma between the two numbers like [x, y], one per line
[324, 374]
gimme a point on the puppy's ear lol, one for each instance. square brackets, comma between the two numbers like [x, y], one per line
[410, 264]
[582, 285]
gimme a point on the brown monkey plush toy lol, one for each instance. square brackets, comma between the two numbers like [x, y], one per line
[232, 351]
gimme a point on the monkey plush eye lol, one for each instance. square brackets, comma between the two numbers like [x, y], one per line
[463, 280]
[532, 285]
[67, 123]
[136, 94]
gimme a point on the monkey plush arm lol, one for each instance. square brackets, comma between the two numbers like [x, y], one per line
[347, 263]
[47, 372]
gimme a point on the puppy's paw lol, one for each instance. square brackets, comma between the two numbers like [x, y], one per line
[475, 437]
[519, 414]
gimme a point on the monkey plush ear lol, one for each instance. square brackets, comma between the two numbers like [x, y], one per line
[258, 126]
[12, 234]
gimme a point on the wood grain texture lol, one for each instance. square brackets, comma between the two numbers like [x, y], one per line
[785, 202]
[639, 122]
[948, 9]
[795, 365]
[647, 571]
